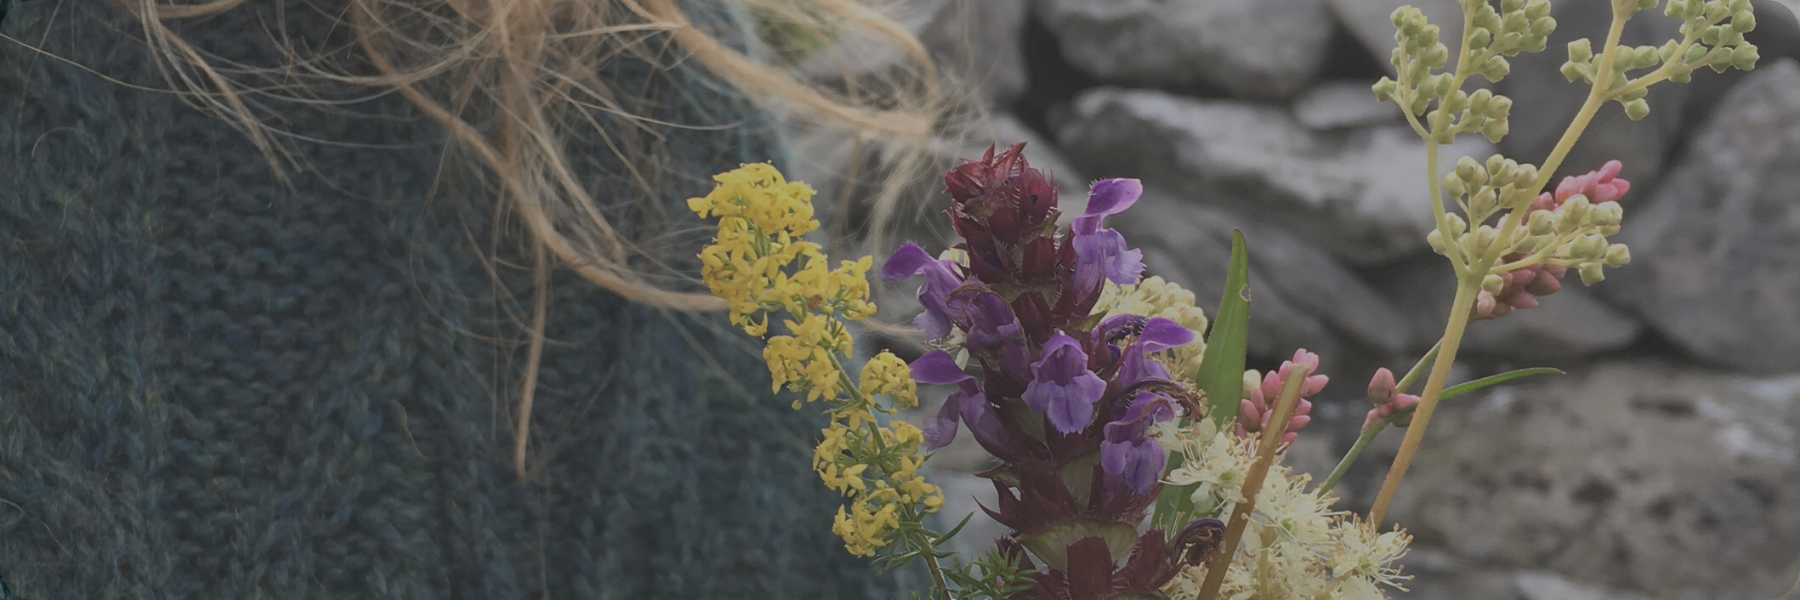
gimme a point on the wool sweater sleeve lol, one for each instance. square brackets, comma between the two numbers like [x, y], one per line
[214, 384]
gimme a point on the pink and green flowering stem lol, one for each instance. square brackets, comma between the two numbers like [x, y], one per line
[1253, 481]
[1369, 431]
[1469, 281]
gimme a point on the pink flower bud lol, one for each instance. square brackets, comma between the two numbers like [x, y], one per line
[1382, 386]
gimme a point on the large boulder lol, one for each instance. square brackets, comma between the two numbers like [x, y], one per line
[1717, 249]
[1265, 49]
[1301, 297]
[1666, 481]
[1361, 195]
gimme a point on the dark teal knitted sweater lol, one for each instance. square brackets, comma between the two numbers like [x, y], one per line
[216, 386]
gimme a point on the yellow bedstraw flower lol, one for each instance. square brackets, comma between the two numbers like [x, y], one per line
[759, 265]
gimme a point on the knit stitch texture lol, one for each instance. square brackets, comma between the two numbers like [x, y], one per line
[216, 386]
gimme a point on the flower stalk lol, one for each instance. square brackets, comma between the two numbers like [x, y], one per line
[1253, 481]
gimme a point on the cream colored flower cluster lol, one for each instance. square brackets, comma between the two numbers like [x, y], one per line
[1295, 547]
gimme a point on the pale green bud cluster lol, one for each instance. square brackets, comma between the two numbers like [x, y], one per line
[1483, 189]
[1495, 33]
[1518, 26]
[1712, 36]
[1574, 234]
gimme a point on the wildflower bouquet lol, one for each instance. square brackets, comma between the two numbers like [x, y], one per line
[1137, 459]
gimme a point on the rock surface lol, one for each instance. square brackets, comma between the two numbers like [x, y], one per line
[1341, 105]
[1568, 325]
[1665, 481]
[1301, 297]
[1718, 248]
[1266, 49]
[1361, 195]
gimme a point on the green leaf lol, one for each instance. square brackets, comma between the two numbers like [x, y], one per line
[1221, 376]
[945, 537]
[1493, 380]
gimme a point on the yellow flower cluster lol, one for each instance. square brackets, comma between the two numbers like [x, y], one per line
[759, 265]
[1154, 297]
[1295, 545]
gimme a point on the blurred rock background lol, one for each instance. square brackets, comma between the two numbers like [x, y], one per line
[1665, 465]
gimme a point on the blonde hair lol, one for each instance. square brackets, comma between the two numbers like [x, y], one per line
[536, 63]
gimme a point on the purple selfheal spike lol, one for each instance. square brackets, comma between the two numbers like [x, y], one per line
[940, 279]
[1062, 387]
[1102, 252]
[1128, 456]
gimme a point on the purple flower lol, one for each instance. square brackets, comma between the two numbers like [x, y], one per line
[1062, 387]
[910, 260]
[1130, 457]
[1102, 252]
[1158, 334]
[967, 404]
[984, 315]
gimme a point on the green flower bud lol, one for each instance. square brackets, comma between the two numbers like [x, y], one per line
[1693, 9]
[1694, 54]
[1478, 102]
[1495, 69]
[1509, 42]
[1487, 18]
[1470, 171]
[1453, 186]
[1494, 163]
[1457, 225]
[1541, 222]
[1578, 206]
[1583, 247]
[1573, 71]
[1542, 26]
[1492, 284]
[1527, 174]
[1607, 213]
[1591, 274]
[1483, 239]
[1635, 94]
[1712, 35]
[1608, 230]
[1384, 89]
[1536, 9]
[1519, 237]
[1682, 76]
[1581, 51]
[1436, 56]
[1719, 59]
[1515, 22]
[1482, 202]
[1676, 9]
[1645, 57]
[1536, 44]
[1511, 6]
[1435, 239]
[1444, 83]
[1667, 51]
[1494, 130]
[1646, 4]
[1743, 22]
[1617, 256]
[1480, 37]
[1401, 16]
[1637, 109]
[1419, 104]
[1500, 108]
[1737, 6]
[1744, 57]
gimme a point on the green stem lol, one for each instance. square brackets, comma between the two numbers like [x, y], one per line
[1368, 434]
[1468, 285]
[1253, 481]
